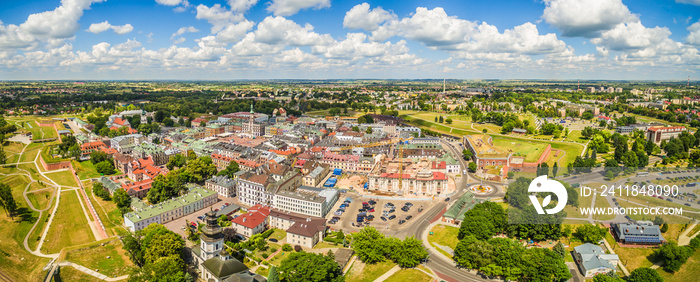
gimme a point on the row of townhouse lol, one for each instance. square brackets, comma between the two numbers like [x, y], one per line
[161, 213]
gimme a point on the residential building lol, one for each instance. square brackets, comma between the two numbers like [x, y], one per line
[592, 260]
[222, 185]
[252, 222]
[301, 230]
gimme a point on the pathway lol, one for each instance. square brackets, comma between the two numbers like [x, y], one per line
[92, 273]
[610, 249]
[388, 274]
[684, 239]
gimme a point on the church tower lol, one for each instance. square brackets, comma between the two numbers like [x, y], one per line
[212, 238]
[251, 120]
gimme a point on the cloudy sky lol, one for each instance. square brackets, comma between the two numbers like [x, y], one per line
[261, 39]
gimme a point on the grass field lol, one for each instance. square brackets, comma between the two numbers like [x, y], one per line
[68, 273]
[107, 211]
[601, 202]
[279, 234]
[40, 199]
[445, 236]
[95, 256]
[34, 237]
[409, 275]
[690, 271]
[529, 149]
[632, 258]
[69, 226]
[15, 261]
[63, 178]
[361, 272]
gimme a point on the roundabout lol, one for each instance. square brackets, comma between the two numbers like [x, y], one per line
[481, 190]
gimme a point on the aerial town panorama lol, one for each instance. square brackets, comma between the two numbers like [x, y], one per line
[318, 140]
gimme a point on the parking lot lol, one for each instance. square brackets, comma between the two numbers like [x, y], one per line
[395, 220]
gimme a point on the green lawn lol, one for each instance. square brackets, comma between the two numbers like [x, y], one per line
[29, 156]
[361, 272]
[69, 226]
[107, 211]
[601, 202]
[63, 178]
[40, 199]
[690, 271]
[529, 149]
[96, 256]
[444, 235]
[279, 234]
[34, 237]
[631, 258]
[15, 261]
[68, 273]
[85, 170]
[412, 275]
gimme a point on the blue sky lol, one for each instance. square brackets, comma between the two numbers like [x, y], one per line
[262, 39]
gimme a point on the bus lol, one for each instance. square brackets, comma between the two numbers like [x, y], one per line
[642, 173]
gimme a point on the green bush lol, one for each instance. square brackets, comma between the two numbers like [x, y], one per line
[265, 255]
[273, 250]
[286, 247]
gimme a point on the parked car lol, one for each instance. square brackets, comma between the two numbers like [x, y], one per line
[409, 217]
[447, 199]
[383, 218]
[273, 240]
[392, 217]
[401, 221]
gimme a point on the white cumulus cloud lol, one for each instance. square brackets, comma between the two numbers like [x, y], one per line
[291, 7]
[694, 35]
[586, 18]
[692, 2]
[104, 26]
[169, 2]
[184, 30]
[241, 6]
[362, 17]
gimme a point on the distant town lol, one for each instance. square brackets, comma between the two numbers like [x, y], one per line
[345, 180]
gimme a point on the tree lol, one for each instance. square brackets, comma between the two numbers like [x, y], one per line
[74, 151]
[590, 233]
[132, 245]
[122, 200]
[543, 265]
[673, 256]
[223, 221]
[484, 130]
[200, 169]
[303, 266]
[369, 130]
[176, 161]
[555, 169]
[644, 274]
[368, 244]
[409, 253]
[105, 167]
[230, 170]
[98, 157]
[467, 154]
[559, 249]
[7, 201]
[99, 190]
[441, 119]
[472, 166]
[273, 276]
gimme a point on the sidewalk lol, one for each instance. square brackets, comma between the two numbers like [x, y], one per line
[93, 273]
[388, 274]
[684, 239]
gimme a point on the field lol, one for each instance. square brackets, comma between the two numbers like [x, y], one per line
[15, 261]
[690, 271]
[68, 273]
[107, 211]
[530, 150]
[63, 178]
[361, 272]
[40, 199]
[69, 226]
[409, 275]
[601, 202]
[110, 259]
[632, 258]
[444, 235]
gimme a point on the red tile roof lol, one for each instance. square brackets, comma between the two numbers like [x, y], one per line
[255, 216]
